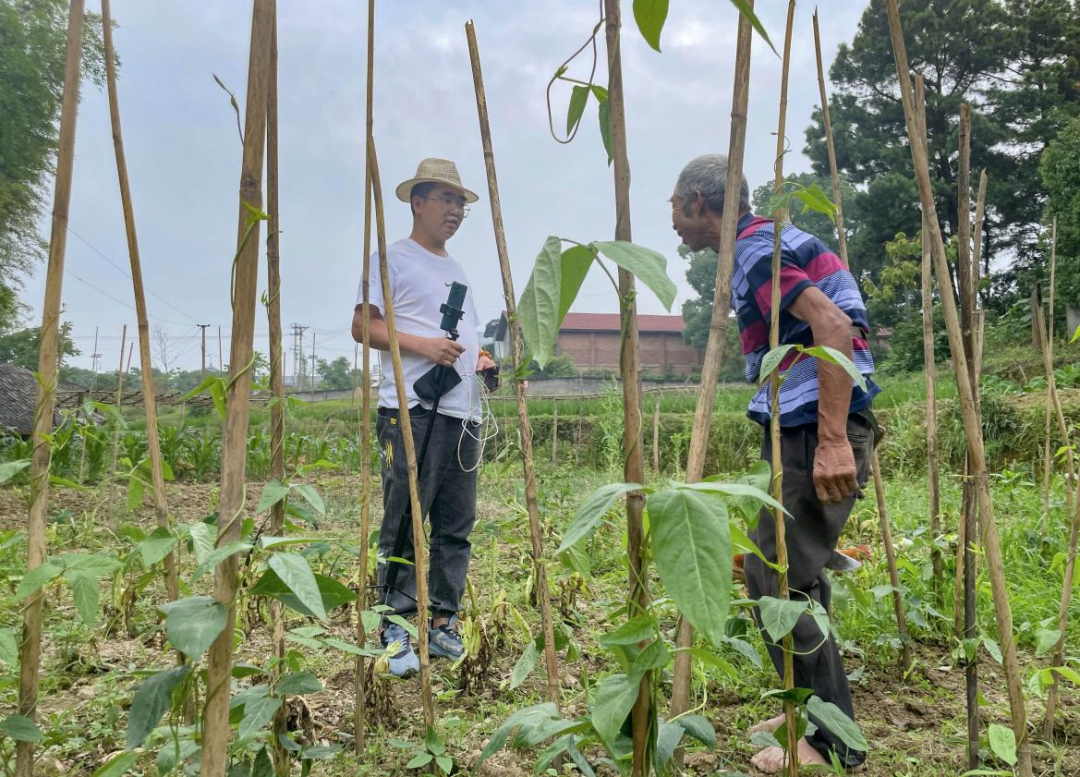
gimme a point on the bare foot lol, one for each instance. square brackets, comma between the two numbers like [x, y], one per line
[772, 760]
[769, 725]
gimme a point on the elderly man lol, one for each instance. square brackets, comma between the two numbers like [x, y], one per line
[421, 270]
[827, 429]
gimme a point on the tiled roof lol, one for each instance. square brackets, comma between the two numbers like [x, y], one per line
[609, 322]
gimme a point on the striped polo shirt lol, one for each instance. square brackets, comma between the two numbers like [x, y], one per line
[805, 261]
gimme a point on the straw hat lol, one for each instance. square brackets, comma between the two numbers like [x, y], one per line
[434, 171]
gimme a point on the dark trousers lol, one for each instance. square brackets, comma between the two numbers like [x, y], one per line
[447, 498]
[811, 539]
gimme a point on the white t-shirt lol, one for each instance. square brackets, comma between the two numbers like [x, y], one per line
[420, 282]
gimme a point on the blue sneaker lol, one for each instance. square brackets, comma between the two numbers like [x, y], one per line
[445, 640]
[404, 662]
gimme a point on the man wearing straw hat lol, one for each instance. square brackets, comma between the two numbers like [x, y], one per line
[827, 428]
[421, 272]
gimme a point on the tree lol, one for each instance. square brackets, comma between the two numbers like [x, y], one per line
[1010, 59]
[1061, 178]
[33, 35]
[337, 374]
[21, 347]
[161, 345]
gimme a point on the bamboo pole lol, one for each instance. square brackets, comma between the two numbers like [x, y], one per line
[277, 380]
[360, 688]
[834, 170]
[969, 411]
[233, 493]
[554, 431]
[1058, 656]
[117, 400]
[792, 744]
[976, 254]
[630, 370]
[153, 443]
[718, 327]
[656, 435]
[930, 367]
[517, 360]
[419, 560]
[879, 486]
[36, 549]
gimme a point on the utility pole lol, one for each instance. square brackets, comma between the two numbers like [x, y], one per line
[94, 357]
[298, 356]
[202, 328]
[312, 366]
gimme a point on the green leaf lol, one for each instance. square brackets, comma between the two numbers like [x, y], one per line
[525, 718]
[312, 497]
[418, 760]
[433, 743]
[699, 728]
[779, 616]
[539, 304]
[741, 543]
[579, 98]
[134, 492]
[257, 713]
[86, 592]
[1045, 639]
[650, 16]
[333, 593]
[834, 719]
[576, 262]
[157, 546]
[647, 266]
[760, 477]
[1073, 339]
[668, 736]
[272, 493]
[346, 647]
[445, 762]
[93, 564]
[117, 765]
[710, 658]
[604, 115]
[772, 360]
[194, 623]
[1003, 743]
[592, 512]
[295, 572]
[274, 542]
[813, 198]
[298, 684]
[632, 632]
[654, 656]
[825, 353]
[747, 10]
[742, 490]
[202, 540]
[20, 728]
[9, 647]
[10, 469]
[1068, 673]
[524, 666]
[36, 578]
[151, 701]
[370, 620]
[216, 556]
[614, 700]
[263, 766]
[410, 629]
[692, 548]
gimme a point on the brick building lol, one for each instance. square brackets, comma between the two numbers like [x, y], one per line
[591, 340]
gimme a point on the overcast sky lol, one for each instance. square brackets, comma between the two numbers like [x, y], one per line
[183, 149]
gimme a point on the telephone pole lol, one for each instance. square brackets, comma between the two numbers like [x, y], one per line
[203, 328]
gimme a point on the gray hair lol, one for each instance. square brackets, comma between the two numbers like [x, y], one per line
[708, 174]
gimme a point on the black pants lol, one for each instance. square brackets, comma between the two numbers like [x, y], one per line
[447, 497]
[811, 539]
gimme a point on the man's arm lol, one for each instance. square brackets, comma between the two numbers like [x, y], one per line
[440, 350]
[834, 461]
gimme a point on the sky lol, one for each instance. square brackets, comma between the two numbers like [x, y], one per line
[184, 152]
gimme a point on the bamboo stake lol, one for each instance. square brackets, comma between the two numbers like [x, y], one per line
[790, 718]
[972, 424]
[119, 381]
[233, 494]
[879, 486]
[630, 370]
[153, 443]
[554, 431]
[93, 384]
[36, 548]
[834, 170]
[419, 560]
[517, 360]
[718, 327]
[656, 435]
[360, 689]
[1058, 656]
[976, 254]
[930, 367]
[277, 381]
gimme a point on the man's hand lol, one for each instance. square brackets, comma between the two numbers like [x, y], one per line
[485, 362]
[442, 350]
[834, 471]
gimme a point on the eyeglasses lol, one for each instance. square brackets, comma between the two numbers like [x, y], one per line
[450, 202]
